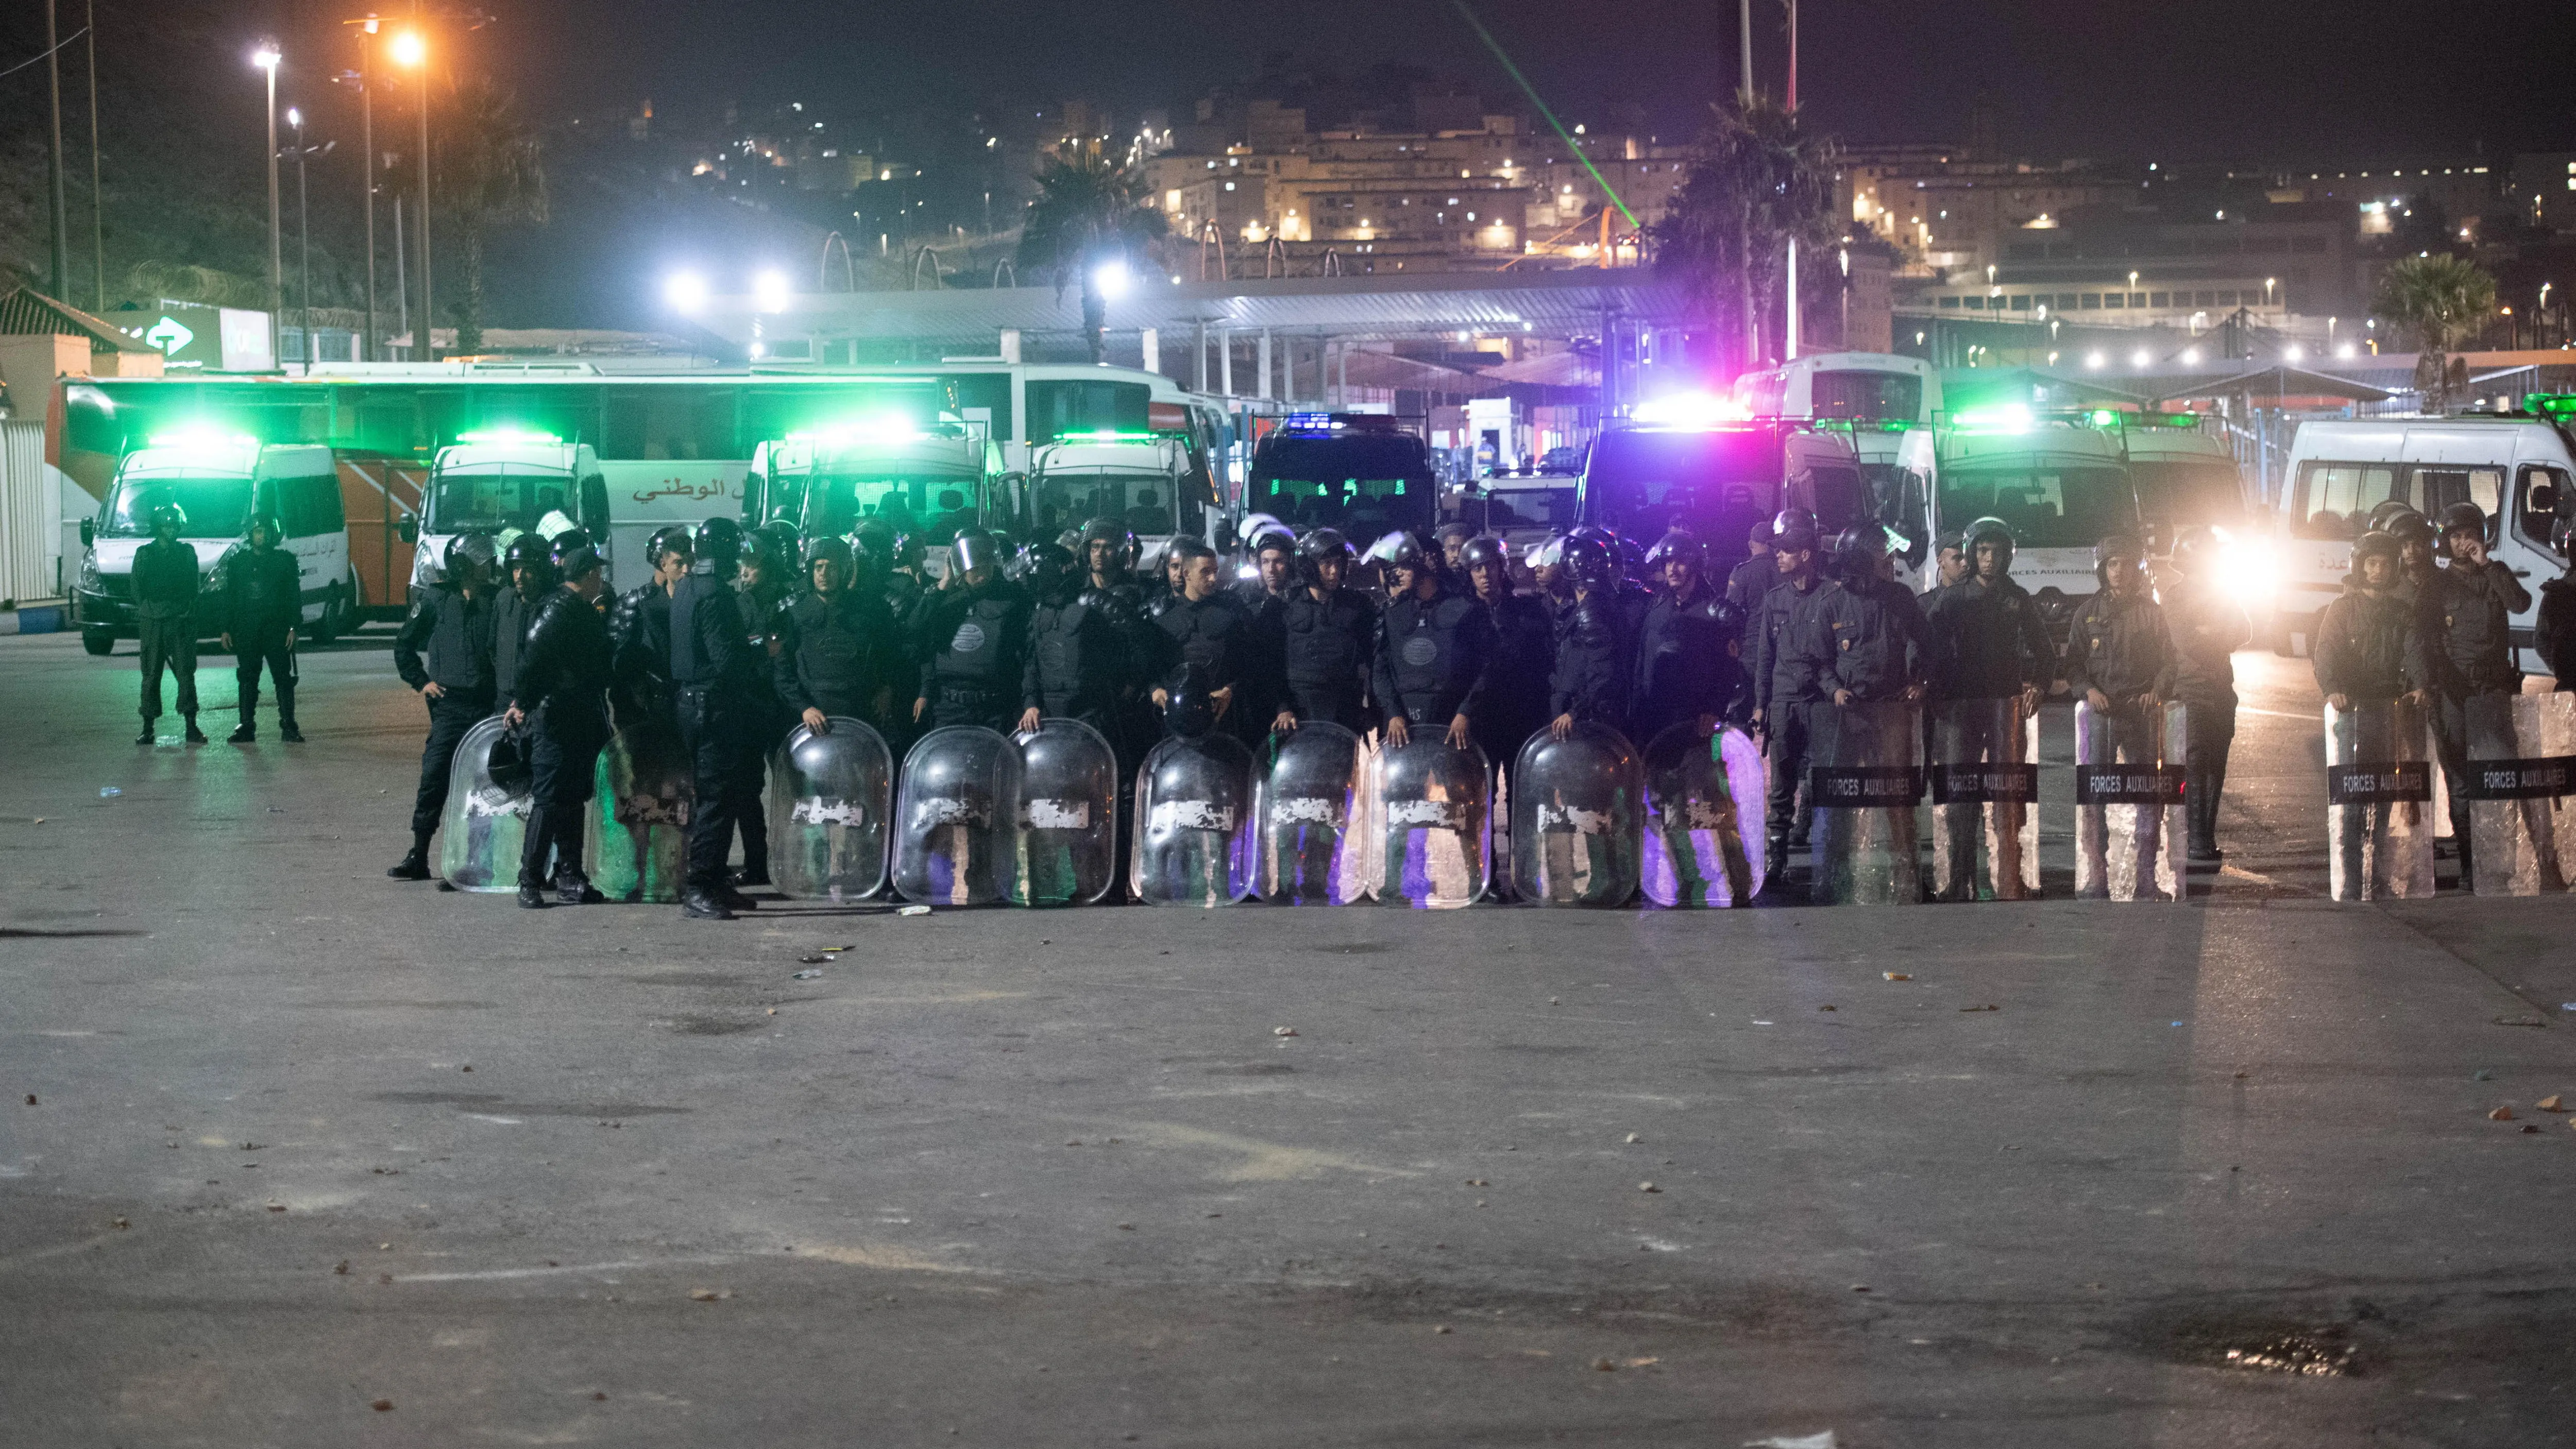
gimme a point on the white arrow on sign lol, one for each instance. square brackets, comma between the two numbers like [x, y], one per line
[168, 335]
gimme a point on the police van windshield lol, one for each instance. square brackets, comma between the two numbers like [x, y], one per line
[1642, 482]
[1143, 501]
[2186, 491]
[838, 502]
[495, 502]
[216, 507]
[1550, 508]
[1364, 484]
[2072, 506]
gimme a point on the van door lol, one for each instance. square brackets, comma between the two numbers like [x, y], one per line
[318, 534]
[2527, 541]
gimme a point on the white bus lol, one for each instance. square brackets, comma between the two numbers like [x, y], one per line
[1884, 406]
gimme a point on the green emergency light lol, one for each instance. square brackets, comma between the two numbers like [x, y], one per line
[507, 435]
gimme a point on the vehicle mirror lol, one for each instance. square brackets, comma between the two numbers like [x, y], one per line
[89, 531]
[410, 527]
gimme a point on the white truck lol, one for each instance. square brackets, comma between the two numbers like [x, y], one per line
[2061, 483]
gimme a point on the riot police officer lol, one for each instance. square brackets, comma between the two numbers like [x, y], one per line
[2119, 651]
[1986, 638]
[453, 621]
[265, 594]
[529, 569]
[1856, 640]
[2208, 627]
[2369, 650]
[1081, 662]
[763, 583]
[560, 692]
[165, 618]
[1265, 598]
[839, 652]
[1786, 740]
[1434, 647]
[1207, 645]
[1327, 632]
[639, 631]
[1688, 649]
[711, 669]
[1593, 664]
[1516, 699]
[1748, 581]
[2467, 609]
[971, 635]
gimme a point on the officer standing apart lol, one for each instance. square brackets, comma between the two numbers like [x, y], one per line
[1516, 699]
[1434, 647]
[711, 669]
[1265, 599]
[838, 651]
[1593, 661]
[560, 692]
[2208, 627]
[972, 636]
[453, 622]
[1328, 633]
[1688, 667]
[265, 592]
[165, 615]
[1785, 740]
[2119, 653]
[2466, 617]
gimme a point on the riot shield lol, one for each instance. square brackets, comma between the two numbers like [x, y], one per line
[636, 848]
[1065, 852]
[2129, 815]
[1194, 830]
[1705, 800]
[2379, 802]
[2522, 792]
[954, 835]
[1426, 824]
[1985, 800]
[1500, 888]
[1864, 790]
[1576, 817]
[828, 799]
[486, 820]
[1313, 847]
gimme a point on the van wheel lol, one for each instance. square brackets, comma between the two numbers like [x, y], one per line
[98, 640]
[335, 616]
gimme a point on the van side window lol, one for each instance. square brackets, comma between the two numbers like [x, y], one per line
[2333, 499]
[2437, 488]
[2537, 513]
[328, 516]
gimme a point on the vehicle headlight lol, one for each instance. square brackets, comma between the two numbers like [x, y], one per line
[2250, 570]
[89, 572]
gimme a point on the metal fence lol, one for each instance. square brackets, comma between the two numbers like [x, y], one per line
[30, 516]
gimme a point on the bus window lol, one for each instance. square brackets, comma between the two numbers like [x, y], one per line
[1868, 396]
[1059, 407]
[1143, 501]
[2071, 506]
[215, 507]
[2332, 499]
[2187, 491]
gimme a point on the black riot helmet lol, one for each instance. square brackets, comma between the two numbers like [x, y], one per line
[561, 546]
[1630, 554]
[1190, 714]
[1399, 550]
[670, 538]
[975, 549]
[2407, 527]
[1484, 551]
[1793, 530]
[1048, 569]
[265, 523]
[1318, 545]
[719, 547]
[170, 516]
[1589, 563]
[2115, 548]
[2384, 513]
[1120, 538]
[469, 550]
[1981, 531]
[2375, 544]
[832, 550]
[529, 552]
[2464, 517]
[1858, 552]
[1677, 543]
[782, 539]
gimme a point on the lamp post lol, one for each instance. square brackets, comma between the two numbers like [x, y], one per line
[303, 238]
[266, 58]
[412, 54]
[367, 30]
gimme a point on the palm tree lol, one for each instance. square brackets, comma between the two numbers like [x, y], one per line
[1089, 212]
[490, 171]
[1756, 185]
[2440, 301]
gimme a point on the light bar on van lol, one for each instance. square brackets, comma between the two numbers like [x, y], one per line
[203, 436]
[1691, 410]
[2557, 406]
[1309, 423]
[2003, 418]
[507, 435]
[1109, 435]
[878, 430]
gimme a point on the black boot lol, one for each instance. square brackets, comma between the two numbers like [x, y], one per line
[535, 844]
[700, 904]
[414, 866]
[195, 736]
[147, 737]
[287, 731]
[248, 730]
[532, 895]
[571, 886]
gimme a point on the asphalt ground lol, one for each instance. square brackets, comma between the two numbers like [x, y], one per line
[291, 1154]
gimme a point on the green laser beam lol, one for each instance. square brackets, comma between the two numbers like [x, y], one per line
[1531, 91]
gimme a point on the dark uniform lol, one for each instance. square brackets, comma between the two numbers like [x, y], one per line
[1082, 661]
[1325, 651]
[2554, 629]
[1863, 636]
[712, 672]
[1787, 740]
[265, 596]
[1517, 694]
[2465, 615]
[973, 648]
[560, 686]
[2368, 648]
[1433, 657]
[838, 654]
[1687, 663]
[1209, 644]
[1750, 580]
[512, 613]
[2208, 627]
[1593, 665]
[765, 721]
[455, 630]
[165, 616]
[2121, 646]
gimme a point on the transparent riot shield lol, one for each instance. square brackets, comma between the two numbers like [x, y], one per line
[1065, 852]
[1501, 888]
[1705, 799]
[1576, 816]
[486, 820]
[2379, 802]
[1985, 800]
[1864, 789]
[955, 839]
[2522, 793]
[1309, 802]
[829, 795]
[1194, 824]
[2129, 814]
[636, 848]
[1427, 816]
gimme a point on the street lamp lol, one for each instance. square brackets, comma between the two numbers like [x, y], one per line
[2268, 284]
[412, 53]
[266, 58]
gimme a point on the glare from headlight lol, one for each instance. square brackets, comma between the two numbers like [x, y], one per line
[2249, 570]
